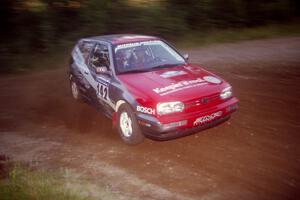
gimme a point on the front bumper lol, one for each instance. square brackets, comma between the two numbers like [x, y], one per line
[184, 125]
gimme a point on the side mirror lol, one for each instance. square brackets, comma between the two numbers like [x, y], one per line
[186, 56]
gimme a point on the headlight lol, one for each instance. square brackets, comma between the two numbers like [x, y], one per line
[226, 93]
[169, 107]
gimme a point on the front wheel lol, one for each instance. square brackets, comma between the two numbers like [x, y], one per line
[128, 127]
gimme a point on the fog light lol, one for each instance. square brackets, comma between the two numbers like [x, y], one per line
[232, 108]
[144, 123]
[175, 124]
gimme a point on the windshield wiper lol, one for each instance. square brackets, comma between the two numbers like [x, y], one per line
[149, 69]
[135, 71]
[164, 66]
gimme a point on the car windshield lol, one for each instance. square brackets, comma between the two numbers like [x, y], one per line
[145, 56]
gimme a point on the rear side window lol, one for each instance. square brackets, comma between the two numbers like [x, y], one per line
[85, 49]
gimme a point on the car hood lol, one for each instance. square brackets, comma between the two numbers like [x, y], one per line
[180, 83]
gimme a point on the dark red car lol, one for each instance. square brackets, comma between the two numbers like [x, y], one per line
[147, 87]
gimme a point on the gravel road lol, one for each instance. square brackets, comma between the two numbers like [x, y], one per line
[255, 155]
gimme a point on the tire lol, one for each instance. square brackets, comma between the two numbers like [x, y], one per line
[128, 127]
[75, 90]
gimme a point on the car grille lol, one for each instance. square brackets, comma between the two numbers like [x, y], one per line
[202, 101]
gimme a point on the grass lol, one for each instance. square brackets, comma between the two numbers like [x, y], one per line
[24, 183]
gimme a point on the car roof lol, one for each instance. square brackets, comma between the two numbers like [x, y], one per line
[122, 38]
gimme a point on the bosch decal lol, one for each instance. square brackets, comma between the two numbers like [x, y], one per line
[146, 110]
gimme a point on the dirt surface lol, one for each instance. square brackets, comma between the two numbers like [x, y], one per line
[255, 155]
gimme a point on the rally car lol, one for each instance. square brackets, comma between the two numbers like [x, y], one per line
[147, 87]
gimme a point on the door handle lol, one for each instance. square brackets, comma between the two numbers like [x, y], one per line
[86, 72]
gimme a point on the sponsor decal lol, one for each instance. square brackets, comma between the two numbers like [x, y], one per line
[134, 37]
[146, 110]
[170, 74]
[136, 44]
[207, 118]
[182, 85]
[212, 79]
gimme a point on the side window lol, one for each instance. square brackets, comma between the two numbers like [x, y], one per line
[100, 58]
[85, 48]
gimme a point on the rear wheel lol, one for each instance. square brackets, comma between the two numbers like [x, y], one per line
[128, 127]
[75, 90]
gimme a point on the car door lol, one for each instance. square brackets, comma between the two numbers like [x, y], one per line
[100, 73]
[81, 71]
[84, 63]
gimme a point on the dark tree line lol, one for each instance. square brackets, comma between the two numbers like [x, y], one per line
[40, 24]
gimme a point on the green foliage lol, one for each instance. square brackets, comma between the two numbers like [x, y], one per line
[41, 24]
[36, 27]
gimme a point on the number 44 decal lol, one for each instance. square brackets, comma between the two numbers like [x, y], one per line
[102, 91]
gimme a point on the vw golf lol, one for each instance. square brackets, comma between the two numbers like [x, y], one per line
[147, 87]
